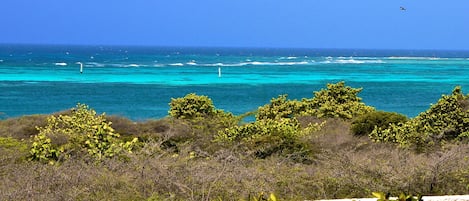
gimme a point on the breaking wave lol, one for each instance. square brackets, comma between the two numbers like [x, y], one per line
[259, 63]
[60, 64]
[417, 58]
[176, 64]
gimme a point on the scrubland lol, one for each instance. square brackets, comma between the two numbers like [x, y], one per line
[328, 146]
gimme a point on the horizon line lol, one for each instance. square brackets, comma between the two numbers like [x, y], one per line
[232, 47]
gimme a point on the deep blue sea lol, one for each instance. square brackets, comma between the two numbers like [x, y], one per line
[139, 82]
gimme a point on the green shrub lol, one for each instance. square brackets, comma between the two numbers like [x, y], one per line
[337, 101]
[81, 131]
[203, 119]
[199, 109]
[13, 148]
[279, 108]
[446, 120]
[266, 137]
[402, 197]
[365, 124]
[191, 106]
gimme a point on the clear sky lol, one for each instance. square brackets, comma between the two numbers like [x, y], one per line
[371, 24]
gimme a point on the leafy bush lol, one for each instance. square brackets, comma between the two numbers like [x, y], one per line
[200, 109]
[337, 101]
[277, 122]
[448, 119]
[13, 148]
[81, 131]
[366, 123]
[402, 197]
[279, 108]
[266, 137]
[191, 106]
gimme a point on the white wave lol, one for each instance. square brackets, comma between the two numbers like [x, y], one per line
[260, 63]
[349, 61]
[279, 63]
[288, 57]
[132, 65]
[60, 64]
[342, 60]
[123, 65]
[217, 64]
[177, 64]
[417, 58]
[94, 64]
[292, 63]
[192, 63]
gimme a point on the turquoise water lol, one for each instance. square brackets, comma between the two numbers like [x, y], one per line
[139, 82]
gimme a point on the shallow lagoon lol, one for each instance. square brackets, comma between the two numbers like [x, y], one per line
[139, 82]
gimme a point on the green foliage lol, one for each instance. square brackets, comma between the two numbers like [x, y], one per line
[10, 143]
[402, 197]
[13, 148]
[268, 136]
[337, 101]
[366, 123]
[203, 120]
[200, 109]
[191, 106]
[81, 131]
[43, 150]
[262, 197]
[279, 108]
[448, 119]
[277, 130]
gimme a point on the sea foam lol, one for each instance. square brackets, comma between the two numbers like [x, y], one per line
[61, 64]
[176, 64]
[132, 65]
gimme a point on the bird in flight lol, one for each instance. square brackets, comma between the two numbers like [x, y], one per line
[403, 9]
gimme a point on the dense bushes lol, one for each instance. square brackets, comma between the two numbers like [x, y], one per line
[81, 131]
[446, 120]
[365, 124]
[193, 106]
[294, 150]
[279, 108]
[200, 110]
[336, 101]
[266, 137]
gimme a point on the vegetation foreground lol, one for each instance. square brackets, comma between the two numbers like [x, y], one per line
[329, 146]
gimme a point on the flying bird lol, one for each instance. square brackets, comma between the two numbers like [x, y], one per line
[403, 9]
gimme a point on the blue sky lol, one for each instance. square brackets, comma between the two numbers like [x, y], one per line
[371, 24]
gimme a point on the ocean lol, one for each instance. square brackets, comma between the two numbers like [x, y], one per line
[139, 82]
